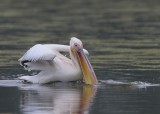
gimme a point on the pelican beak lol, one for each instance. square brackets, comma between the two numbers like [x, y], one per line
[86, 67]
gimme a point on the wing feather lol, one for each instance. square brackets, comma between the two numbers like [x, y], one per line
[38, 52]
[41, 56]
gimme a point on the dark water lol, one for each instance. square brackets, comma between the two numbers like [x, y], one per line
[122, 37]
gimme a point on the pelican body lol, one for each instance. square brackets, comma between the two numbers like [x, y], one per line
[54, 66]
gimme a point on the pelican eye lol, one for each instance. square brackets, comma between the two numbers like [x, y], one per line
[76, 45]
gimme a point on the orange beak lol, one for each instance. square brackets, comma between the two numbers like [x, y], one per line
[86, 67]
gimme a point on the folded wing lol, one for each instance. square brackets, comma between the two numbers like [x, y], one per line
[37, 57]
[41, 56]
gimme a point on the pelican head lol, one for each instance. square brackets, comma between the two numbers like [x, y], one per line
[79, 55]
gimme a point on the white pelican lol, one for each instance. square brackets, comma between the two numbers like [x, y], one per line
[54, 66]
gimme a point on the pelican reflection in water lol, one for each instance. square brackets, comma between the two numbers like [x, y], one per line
[54, 66]
[57, 100]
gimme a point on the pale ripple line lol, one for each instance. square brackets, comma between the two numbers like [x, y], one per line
[138, 84]
[110, 82]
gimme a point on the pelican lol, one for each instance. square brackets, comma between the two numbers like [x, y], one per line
[54, 66]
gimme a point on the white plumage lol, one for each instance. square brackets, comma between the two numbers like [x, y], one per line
[39, 52]
[52, 64]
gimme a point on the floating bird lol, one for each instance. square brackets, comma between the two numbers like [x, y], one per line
[54, 66]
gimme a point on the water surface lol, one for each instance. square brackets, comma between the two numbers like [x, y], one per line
[121, 36]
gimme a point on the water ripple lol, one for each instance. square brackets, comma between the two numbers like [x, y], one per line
[138, 84]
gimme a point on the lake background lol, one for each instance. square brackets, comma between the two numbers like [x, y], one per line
[121, 36]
